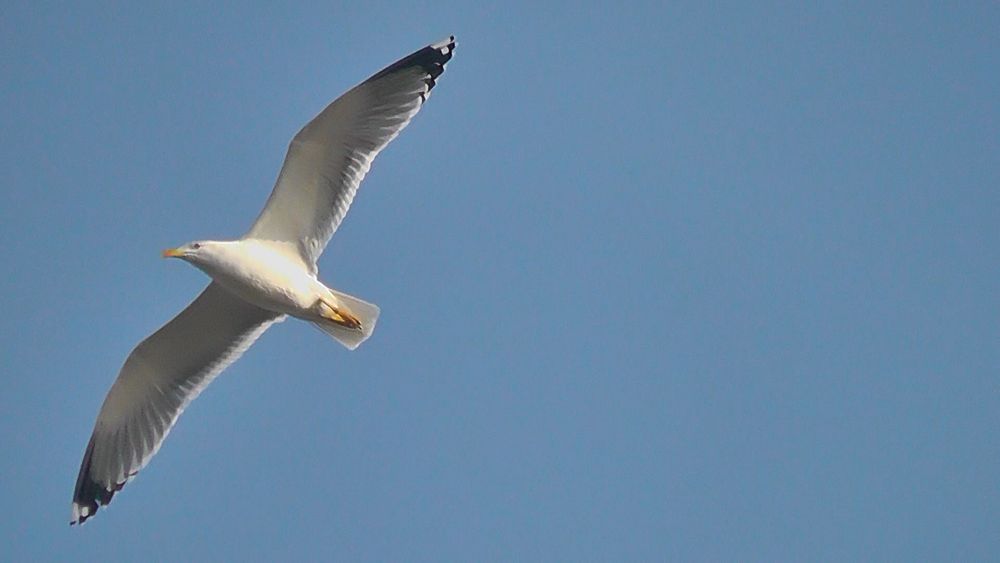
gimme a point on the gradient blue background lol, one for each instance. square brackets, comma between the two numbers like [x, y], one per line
[679, 282]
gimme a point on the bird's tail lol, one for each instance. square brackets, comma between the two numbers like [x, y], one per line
[365, 313]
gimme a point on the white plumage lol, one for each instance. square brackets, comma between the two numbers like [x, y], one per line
[260, 279]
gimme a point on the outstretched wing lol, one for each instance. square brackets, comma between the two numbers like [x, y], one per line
[329, 157]
[164, 373]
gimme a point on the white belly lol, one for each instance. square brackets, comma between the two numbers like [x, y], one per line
[263, 275]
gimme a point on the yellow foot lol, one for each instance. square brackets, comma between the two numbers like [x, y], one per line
[341, 316]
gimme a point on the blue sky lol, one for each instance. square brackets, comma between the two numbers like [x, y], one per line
[658, 282]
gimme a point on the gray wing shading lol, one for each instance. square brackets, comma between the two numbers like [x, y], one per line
[329, 157]
[164, 373]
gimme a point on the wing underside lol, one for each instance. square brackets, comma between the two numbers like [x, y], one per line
[329, 157]
[164, 373]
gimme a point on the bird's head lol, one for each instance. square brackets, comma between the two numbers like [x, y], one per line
[191, 252]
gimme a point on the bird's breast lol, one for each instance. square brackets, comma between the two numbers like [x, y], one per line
[268, 280]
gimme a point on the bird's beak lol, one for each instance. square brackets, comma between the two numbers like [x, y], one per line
[173, 253]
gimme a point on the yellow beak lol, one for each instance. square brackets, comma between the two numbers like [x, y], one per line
[173, 253]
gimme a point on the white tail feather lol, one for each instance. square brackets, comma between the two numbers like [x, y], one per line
[366, 312]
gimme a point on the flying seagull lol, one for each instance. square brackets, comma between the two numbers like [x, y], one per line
[260, 279]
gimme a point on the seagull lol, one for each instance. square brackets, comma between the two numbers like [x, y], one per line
[260, 279]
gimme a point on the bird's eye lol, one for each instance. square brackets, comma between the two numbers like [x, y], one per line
[196, 245]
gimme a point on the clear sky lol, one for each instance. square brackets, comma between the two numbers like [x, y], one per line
[658, 282]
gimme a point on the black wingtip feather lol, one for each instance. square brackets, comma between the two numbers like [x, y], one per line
[89, 494]
[431, 59]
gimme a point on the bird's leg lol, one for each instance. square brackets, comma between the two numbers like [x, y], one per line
[339, 315]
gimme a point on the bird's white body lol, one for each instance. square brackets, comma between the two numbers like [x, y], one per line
[268, 274]
[273, 276]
